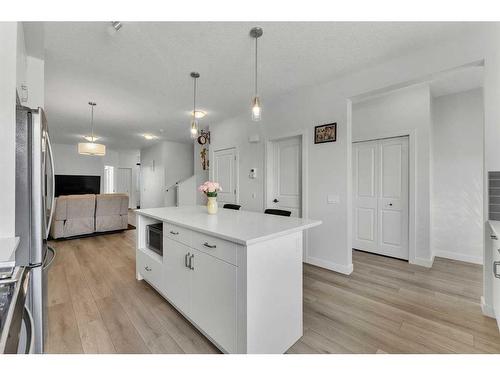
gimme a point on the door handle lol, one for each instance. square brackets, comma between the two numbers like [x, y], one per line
[390, 204]
[206, 244]
[493, 237]
[186, 260]
[275, 200]
[147, 268]
[174, 233]
[191, 264]
[495, 264]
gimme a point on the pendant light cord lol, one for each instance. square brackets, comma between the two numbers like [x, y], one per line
[194, 99]
[256, 52]
[92, 123]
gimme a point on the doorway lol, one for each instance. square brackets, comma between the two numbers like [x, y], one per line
[284, 172]
[226, 174]
[381, 196]
[124, 182]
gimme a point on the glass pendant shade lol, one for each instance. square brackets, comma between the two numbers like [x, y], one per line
[90, 148]
[256, 109]
[194, 129]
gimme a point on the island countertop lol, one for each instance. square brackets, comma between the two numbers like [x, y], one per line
[242, 227]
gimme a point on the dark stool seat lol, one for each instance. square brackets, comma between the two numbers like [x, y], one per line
[273, 211]
[232, 206]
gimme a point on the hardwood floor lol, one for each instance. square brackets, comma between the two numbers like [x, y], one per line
[384, 306]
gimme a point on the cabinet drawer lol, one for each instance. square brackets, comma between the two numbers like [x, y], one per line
[149, 268]
[216, 247]
[177, 233]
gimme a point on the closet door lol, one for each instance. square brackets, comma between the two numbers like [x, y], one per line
[365, 196]
[393, 197]
[380, 197]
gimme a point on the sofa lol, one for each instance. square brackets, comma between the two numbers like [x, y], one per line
[77, 215]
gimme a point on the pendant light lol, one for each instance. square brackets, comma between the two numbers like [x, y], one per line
[194, 120]
[256, 33]
[90, 147]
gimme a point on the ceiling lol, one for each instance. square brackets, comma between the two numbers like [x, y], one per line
[458, 80]
[139, 76]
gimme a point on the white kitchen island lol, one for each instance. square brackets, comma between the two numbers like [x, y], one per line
[236, 275]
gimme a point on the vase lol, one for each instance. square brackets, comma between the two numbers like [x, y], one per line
[212, 205]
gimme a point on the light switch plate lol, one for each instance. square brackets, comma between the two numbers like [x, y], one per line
[333, 199]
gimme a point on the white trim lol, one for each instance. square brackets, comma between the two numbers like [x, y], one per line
[349, 181]
[305, 172]
[458, 256]
[412, 187]
[237, 166]
[422, 262]
[345, 269]
[487, 309]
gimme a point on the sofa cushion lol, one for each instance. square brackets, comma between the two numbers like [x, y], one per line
[111, 204]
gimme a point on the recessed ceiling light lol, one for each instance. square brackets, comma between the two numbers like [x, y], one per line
[90, 138]
[149, 136]
[199, 114]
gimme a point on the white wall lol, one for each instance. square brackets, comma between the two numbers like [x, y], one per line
[162, 165]
[403, 112]
[178, 166]
[457, 191]
[329, 245]
[8, 79]
[35, 78]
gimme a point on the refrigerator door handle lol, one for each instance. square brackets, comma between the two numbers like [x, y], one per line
[53, 184]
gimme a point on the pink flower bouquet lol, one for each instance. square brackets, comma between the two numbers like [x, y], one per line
[210, 188]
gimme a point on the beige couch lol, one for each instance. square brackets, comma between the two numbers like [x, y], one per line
[77, 215]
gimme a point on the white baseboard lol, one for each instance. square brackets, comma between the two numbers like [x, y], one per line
[487, 309]
[457, 256]
[340, 268]
[422, 262]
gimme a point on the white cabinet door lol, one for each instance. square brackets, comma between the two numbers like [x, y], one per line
[365, 196]
[286, 176]
[495, 252]
[213, 298]
[177, 276]
[225, 174]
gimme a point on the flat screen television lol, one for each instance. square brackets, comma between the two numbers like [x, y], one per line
[71, 184]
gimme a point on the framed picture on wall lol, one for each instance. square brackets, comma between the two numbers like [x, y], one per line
[325, 133]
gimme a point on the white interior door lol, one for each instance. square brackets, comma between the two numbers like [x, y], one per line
[380, 197]
[225, 174]
[365, 196]
[285, 176]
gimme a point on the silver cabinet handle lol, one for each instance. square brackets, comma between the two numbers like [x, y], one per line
[495, 264]
[191, 264]
[186, 260]
[206, 244]
[147, 268]
[493, 237]
[174, 233]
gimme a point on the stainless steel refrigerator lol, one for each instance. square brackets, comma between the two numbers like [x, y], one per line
[34, 209]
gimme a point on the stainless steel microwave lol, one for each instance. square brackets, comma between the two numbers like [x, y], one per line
[155, 238]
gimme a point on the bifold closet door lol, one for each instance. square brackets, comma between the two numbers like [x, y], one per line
[380, 196]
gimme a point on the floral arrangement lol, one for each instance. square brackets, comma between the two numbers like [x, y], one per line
[209, 188]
